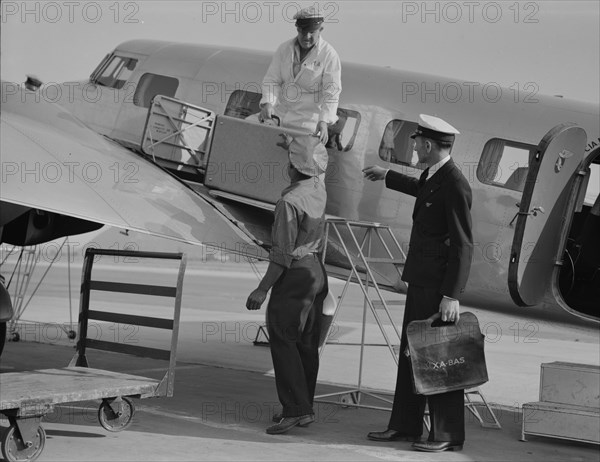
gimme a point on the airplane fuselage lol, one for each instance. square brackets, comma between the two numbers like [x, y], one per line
[489, 117]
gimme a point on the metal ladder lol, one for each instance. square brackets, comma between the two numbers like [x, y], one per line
[359, 252]
[19, 281]
[393, 255]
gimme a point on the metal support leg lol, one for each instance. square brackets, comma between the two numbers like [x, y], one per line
[472, 407]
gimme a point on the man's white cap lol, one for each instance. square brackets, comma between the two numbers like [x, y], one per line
[308, 155]
[309, 18]
[435, 129]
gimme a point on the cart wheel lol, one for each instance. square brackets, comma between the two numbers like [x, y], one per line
[118, 419]
[13, 448]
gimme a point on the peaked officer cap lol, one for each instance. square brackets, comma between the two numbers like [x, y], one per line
[435, 129]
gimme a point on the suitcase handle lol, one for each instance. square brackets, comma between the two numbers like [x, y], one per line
[434, 316]
[435, 320]
[274, 118]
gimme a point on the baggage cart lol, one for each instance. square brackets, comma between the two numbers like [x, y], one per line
[26, 397]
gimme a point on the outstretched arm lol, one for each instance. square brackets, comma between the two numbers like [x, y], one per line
[374, 173]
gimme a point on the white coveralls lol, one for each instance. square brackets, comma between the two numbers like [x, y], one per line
[312, 95]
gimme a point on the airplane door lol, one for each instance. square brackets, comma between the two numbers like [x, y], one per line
[542, 212]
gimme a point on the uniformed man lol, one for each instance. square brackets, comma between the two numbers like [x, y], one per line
[436, 270]
[303, 83]
[298, 283]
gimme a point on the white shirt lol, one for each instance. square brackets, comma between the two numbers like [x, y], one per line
[435, 167]
[312, 95]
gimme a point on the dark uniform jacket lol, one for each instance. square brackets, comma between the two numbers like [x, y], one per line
[441, 242]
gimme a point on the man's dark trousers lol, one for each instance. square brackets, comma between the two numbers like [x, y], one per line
[446, 410]
[294, 326]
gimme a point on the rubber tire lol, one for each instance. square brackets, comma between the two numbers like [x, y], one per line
[9, 441]
[113, 423]
[3, 330]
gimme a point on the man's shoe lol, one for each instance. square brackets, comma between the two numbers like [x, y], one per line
[287, 423]
[305, 420]
[391, 435]
[438, 446]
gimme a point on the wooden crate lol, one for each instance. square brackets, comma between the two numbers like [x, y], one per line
[575, 423]
[570, 383]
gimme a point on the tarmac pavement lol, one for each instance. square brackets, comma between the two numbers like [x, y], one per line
[220, 413]
[224, 388]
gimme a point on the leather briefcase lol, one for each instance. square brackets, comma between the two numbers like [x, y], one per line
[446, 356]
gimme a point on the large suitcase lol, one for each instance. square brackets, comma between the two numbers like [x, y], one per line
[446, 356]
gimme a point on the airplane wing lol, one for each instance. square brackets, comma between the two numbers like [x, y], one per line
[52, 162]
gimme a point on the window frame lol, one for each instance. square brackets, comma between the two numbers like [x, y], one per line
[239, 112]
[140, 87]
[334, 135]
[115, 81]
[393, 159]
[232, 110]
[486, 162]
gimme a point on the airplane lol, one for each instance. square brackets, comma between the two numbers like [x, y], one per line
[112, 150]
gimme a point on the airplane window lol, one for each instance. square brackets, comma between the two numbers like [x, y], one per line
[116, 72]
[107, 78]
[343, 133]
[99, 68]
[505, 164]
[396, 145]
[151, 85]
[242, 104]
[126, 71]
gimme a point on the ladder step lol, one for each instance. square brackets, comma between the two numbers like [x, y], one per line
[379, 303]
[393, 261]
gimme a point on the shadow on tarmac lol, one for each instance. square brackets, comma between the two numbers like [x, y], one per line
[220, 413]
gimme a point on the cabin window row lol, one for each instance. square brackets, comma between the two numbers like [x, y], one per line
[242, 104]
[114, 71]
[503, 163]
